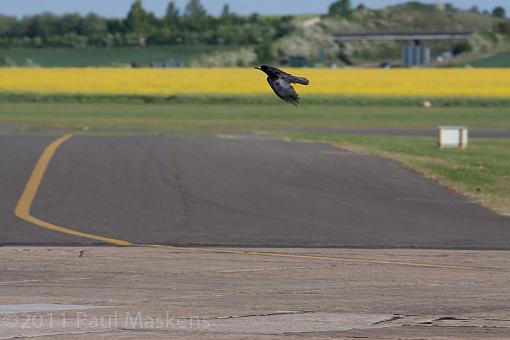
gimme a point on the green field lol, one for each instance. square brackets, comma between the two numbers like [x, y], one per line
[498, 60]
[115, 56]
[245, 117]
[482, 171]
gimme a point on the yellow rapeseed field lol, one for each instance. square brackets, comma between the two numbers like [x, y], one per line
[347, 82]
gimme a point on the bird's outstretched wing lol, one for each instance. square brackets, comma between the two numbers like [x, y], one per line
[284, 90]
[299, 80]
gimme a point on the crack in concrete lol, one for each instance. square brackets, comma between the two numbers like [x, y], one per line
[393, 318]
[290, 312]
[178, 180]
[444, 318]
[184, 198]
[179, 187]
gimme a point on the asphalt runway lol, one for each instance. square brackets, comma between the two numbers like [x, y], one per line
[234, 191]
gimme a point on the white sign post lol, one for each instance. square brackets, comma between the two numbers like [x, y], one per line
[453, 137]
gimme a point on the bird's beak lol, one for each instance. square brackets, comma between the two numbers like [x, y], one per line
[257, 68]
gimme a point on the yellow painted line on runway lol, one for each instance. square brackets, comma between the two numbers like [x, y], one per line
[34, 182]
[25, 203]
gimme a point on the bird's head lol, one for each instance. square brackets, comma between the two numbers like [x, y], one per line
[267, 69]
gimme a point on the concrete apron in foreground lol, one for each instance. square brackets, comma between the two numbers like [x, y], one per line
[204, 293]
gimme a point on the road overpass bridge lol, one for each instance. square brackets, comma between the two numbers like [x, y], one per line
[401, 36]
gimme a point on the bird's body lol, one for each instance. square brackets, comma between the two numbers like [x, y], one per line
[281, 82]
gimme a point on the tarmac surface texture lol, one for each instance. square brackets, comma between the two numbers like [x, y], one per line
[234, 191]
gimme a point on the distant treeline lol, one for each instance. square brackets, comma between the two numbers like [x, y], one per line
[192, 25]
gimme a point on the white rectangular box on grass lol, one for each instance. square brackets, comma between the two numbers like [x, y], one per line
[453, 137]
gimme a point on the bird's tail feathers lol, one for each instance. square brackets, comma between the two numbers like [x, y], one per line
[300, 80]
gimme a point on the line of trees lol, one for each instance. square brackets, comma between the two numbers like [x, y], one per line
[192, 25]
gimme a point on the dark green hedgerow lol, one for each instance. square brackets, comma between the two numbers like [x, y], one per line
[8, 97]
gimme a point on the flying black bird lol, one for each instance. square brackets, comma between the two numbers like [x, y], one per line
[281, 82]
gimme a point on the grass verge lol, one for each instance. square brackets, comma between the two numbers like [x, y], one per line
[243, 117]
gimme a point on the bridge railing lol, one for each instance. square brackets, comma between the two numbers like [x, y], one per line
[401, 36]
